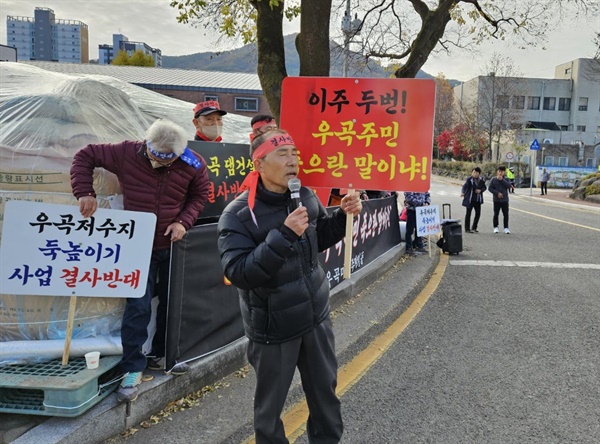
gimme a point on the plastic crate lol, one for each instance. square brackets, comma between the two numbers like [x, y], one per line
[51, 389]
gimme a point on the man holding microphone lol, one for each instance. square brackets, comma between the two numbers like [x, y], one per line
[268, 245]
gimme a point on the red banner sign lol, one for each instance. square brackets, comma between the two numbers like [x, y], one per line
[374, 134]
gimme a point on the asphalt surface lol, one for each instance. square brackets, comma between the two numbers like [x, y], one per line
[502, 352]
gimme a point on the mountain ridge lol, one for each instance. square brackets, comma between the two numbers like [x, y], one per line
[244, 59]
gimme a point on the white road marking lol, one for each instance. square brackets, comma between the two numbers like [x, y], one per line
[524, 264]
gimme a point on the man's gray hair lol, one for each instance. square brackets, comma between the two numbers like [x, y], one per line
[167, 137]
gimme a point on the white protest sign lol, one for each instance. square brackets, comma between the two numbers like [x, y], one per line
[428, 220]
[51, 250]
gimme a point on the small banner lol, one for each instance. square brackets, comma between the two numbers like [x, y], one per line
[428, 220]
[51, 250]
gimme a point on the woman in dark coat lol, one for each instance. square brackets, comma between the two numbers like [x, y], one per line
[472, 194]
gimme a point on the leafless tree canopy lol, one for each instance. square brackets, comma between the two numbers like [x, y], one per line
[410, 30]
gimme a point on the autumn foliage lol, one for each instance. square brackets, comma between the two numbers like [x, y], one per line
[461, 143]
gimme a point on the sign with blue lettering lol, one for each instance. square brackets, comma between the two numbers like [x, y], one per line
[51, 250]
[428, 220]
[535, 145]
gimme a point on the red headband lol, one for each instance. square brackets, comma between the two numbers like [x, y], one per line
[261, 123]
[271, 144]
[251, 181]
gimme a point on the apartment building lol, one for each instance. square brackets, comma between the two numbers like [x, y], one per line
[44, 37]
[563, 111]
[106, 52]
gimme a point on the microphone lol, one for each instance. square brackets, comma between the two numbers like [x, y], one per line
[294, 186]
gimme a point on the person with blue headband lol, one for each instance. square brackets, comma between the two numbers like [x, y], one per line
[159, 175]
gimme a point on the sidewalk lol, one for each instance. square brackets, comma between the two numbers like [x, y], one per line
[109, 418]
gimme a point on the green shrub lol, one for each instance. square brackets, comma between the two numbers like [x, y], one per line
[462, 169]
[589, 176]
[592, 189]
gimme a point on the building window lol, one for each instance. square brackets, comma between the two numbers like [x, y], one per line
[564, 127]
[590, 162]
[564, 104]
[533, 102]
[568, 71]
[519, 102]
[246, 104]
[549, 160]
[214, 98]
[550, 103]
[583, 103]
[503, 102]
[581, 128]
[563, 161]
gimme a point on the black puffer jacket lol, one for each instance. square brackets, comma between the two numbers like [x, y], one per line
[284, 292]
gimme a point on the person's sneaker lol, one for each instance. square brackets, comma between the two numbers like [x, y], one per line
[474, 230]
[496, 230]
[506, 231]
[410, 253]
[155, 363]
[180, 369]
[468, 231]
[128, 391]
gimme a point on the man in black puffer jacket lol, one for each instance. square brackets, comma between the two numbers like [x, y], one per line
[269, 252]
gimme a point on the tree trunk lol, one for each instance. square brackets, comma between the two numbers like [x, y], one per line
[312, 43]
[271, 54]
[432, 30]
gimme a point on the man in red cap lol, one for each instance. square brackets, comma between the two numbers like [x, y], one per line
[208, 120]
[269, 237]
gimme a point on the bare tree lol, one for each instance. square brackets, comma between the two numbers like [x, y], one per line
[409, 31]
[498, 102]
[444, 105]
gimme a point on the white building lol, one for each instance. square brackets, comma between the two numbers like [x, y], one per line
[106, 52]
[560, 111]
[44, 37]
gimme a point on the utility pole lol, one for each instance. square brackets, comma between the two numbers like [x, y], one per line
[350, 28]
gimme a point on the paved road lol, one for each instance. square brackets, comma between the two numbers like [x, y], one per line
[500, 354]
[506, 349]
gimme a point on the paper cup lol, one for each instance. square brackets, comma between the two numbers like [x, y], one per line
[92, 359]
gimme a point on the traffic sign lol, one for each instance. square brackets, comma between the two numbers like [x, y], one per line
[509, 156]
[535, 145]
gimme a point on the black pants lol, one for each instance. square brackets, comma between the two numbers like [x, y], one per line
[412, 240]
[274, 364]
[504, 207]
[544, 187]
[477, 207]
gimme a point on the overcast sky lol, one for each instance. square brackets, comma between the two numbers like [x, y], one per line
[154, 22]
